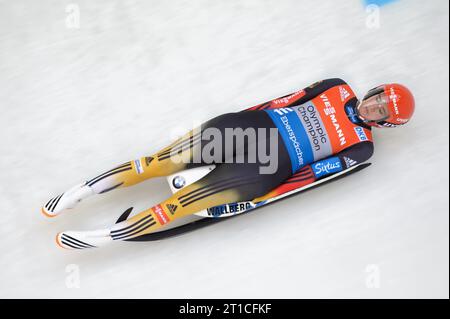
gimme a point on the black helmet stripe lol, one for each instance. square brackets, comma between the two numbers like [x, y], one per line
[374, 91]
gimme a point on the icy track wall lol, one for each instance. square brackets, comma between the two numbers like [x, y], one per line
[86, 85]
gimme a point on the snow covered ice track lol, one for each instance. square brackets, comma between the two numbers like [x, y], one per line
[77, 100]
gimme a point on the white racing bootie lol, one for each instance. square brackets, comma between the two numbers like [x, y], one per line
[66, 200]
[83, 240]
[89, 239]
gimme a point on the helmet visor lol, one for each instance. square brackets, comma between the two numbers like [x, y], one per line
[374, 108]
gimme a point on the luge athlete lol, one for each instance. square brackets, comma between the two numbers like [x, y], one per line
[320, 130]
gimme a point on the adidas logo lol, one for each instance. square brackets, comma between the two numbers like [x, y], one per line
[172, 208]
[349, 162]
[344, 93]
[148, 160]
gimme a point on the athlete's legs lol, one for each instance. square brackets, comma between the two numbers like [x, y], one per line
[228, 182]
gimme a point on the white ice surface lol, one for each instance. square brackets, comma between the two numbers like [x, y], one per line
[74, 102]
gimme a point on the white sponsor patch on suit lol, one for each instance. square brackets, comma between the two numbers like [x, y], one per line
[138, 166]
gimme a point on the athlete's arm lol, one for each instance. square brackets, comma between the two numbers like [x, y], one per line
[334, 164]
[347, 158]
[299, 97]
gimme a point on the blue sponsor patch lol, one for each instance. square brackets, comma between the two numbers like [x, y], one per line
[327, 166]
[351, 113]
[361, 134]
[294, 137]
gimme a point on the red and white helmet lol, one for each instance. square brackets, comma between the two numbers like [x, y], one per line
[398, 101]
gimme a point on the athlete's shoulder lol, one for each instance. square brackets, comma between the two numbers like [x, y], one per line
[357, 153]
[328, 83]
[322, 86]
[304, 95]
